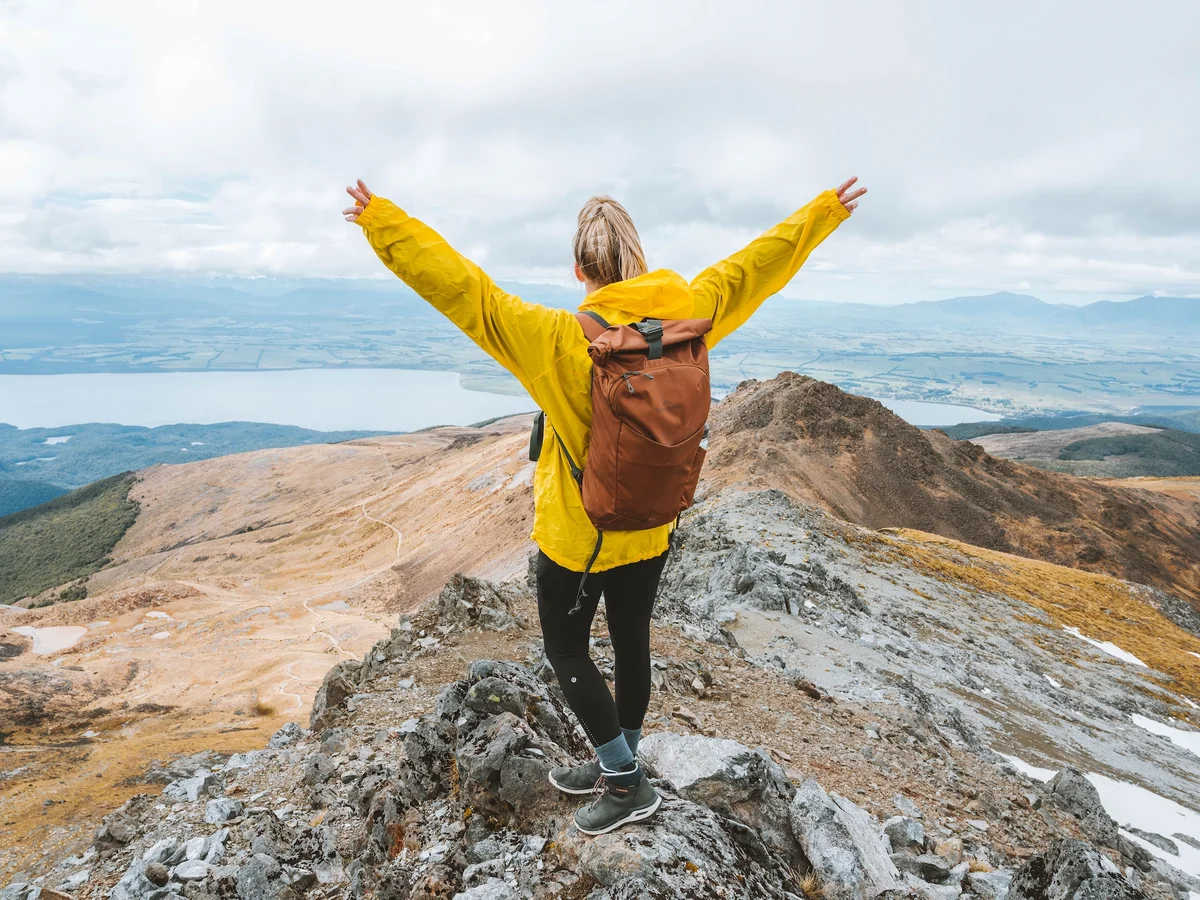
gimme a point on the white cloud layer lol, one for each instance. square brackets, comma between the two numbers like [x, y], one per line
[1040, 147]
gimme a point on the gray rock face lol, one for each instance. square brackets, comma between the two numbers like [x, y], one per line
[729, 778]
[318, 769]
[1071, 790]
[286, 736]
[846, 854]
[264, 878]
[191, 870]
[685, 851]
[476, 602]
[339, 684]
[1162, 843]
[1071, 870]
[122, 825]
[221, 810]
[189, 790]
[989, 885]
[492, 889]
[926, 866]
[907, 835]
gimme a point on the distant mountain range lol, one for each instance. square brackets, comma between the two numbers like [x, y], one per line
[90, 302]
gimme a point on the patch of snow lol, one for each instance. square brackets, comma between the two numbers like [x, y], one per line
[52, 639]
[1188, 740]
[158, 614]
[1029, 769]
[197, 443]
[1051, 680]
[1190, 653]
[1136, 806]
[160, 635]
[1189, 702]
[30, 462]
[58, 440]
[1110, 648]
[183, 449]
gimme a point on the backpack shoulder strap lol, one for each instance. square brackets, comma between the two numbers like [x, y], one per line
[593, 324]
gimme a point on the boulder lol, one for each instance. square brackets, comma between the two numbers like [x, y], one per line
[318, 769]
[191, 870]
[847, 856]
[222, 810]
[492, 889]
[926, 866]
[989, 885]
[685, 851]
[123, 825]
[906, 835]
[264, 878]
[286, 736]
[189, 790]
[1070, 790]
[1071, 870]
[1158, 840]
[479, 603]
[729, 778]
[338, 686]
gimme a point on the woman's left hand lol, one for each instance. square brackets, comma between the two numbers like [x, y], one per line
[848, 198]
[362, 196]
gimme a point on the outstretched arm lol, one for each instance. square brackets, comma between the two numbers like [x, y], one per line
[733, 289]
[514, 333]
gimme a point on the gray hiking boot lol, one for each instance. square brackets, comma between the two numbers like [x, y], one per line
[583, 779]
[618, 806]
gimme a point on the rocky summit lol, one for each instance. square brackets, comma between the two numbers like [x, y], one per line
[402, 785]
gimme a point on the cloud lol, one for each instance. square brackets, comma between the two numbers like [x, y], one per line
[1049, 146]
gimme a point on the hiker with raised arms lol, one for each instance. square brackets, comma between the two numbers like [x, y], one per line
[624, 393]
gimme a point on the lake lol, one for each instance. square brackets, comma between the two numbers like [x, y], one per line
[321, 399]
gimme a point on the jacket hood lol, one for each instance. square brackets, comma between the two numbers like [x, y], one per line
[661, 294]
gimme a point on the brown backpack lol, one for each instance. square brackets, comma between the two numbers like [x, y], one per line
[650, 402]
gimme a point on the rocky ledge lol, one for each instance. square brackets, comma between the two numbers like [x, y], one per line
[454, 803]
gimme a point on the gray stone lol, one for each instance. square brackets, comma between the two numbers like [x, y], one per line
[906, 835]
[477, 873]
[729, 778]
[195, 848]
[684, 851]
[1162, 843]
[286, 736]
[20, 890]
[221, 810]
[989, 885]
[926, 866]
[191, 870]
[247, 760]
[166, 851]
[846, 854]
[340, 683]
[492, 889]
[476, 602]
[318, 769]
[1070, 790]
[1187, 839]
[481, 851]
[255, 879]
[1071, 870]
[122, 825]
[75, 880]
[189, 790]
[907, 807]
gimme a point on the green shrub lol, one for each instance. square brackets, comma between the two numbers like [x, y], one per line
[64, 540]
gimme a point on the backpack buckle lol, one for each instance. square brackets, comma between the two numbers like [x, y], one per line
[652, 331]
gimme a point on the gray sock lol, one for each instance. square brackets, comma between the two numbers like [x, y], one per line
[632, 737]
[615, 756]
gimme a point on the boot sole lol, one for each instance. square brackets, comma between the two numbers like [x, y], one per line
[576, 792]
[636, 815]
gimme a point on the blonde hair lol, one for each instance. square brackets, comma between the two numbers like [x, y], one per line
[607, 246]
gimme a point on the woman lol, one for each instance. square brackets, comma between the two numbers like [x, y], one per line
[547, 351]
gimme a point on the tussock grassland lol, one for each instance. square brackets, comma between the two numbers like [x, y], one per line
[1101, 607]
[63, 540]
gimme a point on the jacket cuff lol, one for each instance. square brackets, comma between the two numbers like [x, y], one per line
[371, 211]
[834, 205]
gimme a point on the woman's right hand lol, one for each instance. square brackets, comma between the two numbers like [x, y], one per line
[362, 196]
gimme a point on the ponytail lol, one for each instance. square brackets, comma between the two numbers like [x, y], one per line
[607, 246]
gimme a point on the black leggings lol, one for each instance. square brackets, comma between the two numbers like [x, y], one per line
[629, 593]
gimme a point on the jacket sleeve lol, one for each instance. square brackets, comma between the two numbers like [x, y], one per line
[733, 289]
[520, 336]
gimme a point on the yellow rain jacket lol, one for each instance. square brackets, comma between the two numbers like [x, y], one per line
[547, 352]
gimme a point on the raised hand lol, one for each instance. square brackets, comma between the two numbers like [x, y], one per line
[849, 198]
[362, 196]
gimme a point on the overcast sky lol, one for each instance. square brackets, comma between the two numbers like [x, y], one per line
[1048, 148]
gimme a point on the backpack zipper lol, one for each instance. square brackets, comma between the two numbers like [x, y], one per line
[625, 376]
